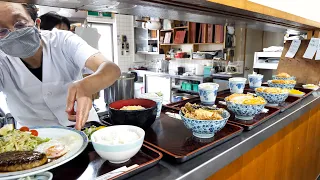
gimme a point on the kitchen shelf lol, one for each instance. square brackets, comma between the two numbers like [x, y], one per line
[206, 43]
[166, 30]
[146, 52]
[190, 44]
[182, 27]
[176, 44]
[187, 91]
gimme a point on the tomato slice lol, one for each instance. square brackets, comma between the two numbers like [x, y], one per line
[24, 129]
[34, 132]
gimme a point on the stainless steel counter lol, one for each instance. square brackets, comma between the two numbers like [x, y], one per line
[206, 164]
[193, 78]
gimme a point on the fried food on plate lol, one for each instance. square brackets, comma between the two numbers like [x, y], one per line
[21, 160]
[247, 99]
[194, 111]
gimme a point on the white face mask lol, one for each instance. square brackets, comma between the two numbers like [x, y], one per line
[22, 43]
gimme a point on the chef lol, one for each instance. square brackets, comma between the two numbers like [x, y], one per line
[40, 71]
[52, 20]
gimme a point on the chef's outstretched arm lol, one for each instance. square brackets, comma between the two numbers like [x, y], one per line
[105, 74]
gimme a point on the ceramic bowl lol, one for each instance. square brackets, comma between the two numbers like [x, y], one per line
[208, 93]
[205, 128]
[119, 153]
[282, 78]
[255, 80]
[142, 118]
[158, 99]
[273, 99]
[237, 85]
[283, 86]
[244, 111]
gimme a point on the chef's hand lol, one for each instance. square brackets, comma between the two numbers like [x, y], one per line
[77, 93]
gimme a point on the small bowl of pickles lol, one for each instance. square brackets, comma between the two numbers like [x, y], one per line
[296, 93]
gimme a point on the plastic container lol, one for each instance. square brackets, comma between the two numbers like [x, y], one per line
[188, 86]
[155, 97]
[195, 87]
[183, 85]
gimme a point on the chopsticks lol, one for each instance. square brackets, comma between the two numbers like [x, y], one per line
[116, 172]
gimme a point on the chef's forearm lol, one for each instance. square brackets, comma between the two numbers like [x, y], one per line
[105, 76]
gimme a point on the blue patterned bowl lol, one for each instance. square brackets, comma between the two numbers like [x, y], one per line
[208, 93]
[273, 99]
[282, 78]
[255, 80]
[237, 84]
[244, 111]
[283, 86]
[205, 128]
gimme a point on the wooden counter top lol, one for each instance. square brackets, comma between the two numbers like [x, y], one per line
[265, 10]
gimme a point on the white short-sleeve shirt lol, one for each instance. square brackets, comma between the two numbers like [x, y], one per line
[32, 102]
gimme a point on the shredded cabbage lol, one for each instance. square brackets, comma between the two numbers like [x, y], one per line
[17, 140]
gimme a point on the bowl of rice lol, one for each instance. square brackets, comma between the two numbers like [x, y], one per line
[118, 144]
[136, 112]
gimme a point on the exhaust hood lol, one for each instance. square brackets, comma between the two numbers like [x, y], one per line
[187, 10]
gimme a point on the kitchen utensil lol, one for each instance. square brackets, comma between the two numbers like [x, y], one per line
[150, 48]
[207, 71]
[122, 89]
[117, 172]
[152, 24]
[117, 153]
[180, 55]
[199, 70]
[181, 70]
[142, 118]
[163, 65]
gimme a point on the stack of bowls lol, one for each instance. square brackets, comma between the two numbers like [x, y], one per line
[237, 85]
[283, 78]
[282, 86]
[208, 93]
